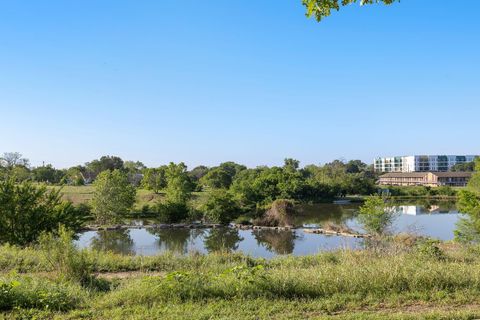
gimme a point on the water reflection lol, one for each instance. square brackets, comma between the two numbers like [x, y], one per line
[433, 218]
[176, 240]
[118, 241]
[222, 239]
[320, 214]
[277, 241]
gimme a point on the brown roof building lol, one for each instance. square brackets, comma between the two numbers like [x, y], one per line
[430, 179]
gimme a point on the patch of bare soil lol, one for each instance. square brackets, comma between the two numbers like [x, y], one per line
[127, 274]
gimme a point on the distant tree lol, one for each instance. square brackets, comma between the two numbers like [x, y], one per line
[323, 8]
[74, 176]
[232, 168]
[104, 163]
[216, 178]
[222, 176]
[134, 171]
[355, 166]
[291, 164]
[464, 167]
[47, 174]
[113, 197]
[13, 159]
[198, 172]
[220, 207]
[27, 210]
[134, 166]
[154, 179]
[13, 165]
[20, 173]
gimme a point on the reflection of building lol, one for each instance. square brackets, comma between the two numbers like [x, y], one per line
[416, 210]
[430, 179]
[437, 163]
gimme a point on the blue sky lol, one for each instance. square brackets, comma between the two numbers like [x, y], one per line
[250, 81]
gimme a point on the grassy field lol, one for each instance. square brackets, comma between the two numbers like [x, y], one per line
[418, 282]
[83, 194]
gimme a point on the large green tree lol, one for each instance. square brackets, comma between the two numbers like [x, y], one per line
[175, 206]
[323, 8]
[179, 186]
[114, 196]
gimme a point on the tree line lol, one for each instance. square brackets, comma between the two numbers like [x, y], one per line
[229, 190]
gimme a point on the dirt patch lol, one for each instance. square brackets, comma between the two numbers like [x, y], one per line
[127, 275]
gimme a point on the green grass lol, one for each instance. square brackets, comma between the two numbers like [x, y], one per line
[399, 283]
[83, 194]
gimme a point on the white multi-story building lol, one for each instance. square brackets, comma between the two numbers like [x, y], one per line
[435, 163]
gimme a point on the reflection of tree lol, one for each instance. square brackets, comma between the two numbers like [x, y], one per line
[175, 240]
[277, 241]
[319, 214]
[118, 241]
[222, 239]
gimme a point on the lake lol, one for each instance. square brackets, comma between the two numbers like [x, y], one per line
[435, 220]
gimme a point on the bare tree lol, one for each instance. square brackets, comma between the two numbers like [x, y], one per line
[13, 159]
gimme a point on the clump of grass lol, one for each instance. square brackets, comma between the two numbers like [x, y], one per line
[38, 293]
[65, 258]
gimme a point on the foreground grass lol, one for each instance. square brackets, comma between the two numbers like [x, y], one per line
[419, 282]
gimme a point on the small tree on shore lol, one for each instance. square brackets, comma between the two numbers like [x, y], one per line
[114, 196]
[468, 227]
[375, 217]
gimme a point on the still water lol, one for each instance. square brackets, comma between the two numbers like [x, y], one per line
[434, 220]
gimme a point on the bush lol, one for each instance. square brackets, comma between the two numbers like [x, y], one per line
[429, 248]
[38, 293]
[173, 212]
[374, 216]
[27, 210]
[220, 207]
[65, 258]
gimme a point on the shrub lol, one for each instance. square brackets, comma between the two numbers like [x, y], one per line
[38, 293]
[220, 207]
[173, 212]
[65, 258]
[27, 210]
[374, 215]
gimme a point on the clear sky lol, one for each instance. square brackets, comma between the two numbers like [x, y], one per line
[249, 81]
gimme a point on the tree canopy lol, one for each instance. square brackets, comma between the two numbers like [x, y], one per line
[323, 8]
[114, 196]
